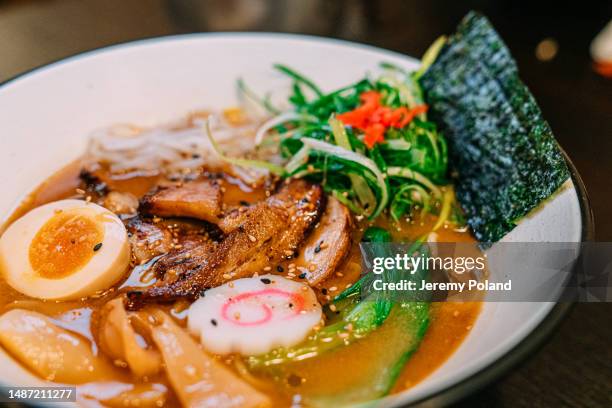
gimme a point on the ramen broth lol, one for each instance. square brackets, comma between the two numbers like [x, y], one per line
[450, 322]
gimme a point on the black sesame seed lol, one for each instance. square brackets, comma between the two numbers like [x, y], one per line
[266, 281]
[294, 380]
[97, 246]
[290, 305]
[213, 322]
[324, 291]
[280, 268]
[302, 275]
[244, 203]
[317, 248]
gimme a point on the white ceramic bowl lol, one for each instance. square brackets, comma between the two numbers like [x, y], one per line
[47, 114]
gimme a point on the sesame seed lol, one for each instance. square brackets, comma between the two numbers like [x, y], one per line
[226, 276]
[333, 289]
[97, 246]
[267, 268]
[213, 322]
[332, 307]
[279, 268]
[252, 238]
[266, 281]
[302, 275]
[312, 267]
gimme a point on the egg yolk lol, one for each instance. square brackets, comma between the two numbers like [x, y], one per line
[64, 245]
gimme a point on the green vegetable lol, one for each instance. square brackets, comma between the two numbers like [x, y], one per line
[376, 234]
[382, 356]
[367, 180]
[272, 168]
[263, 102]
[503, 152]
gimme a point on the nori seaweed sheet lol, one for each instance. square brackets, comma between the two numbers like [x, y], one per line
[503, 154]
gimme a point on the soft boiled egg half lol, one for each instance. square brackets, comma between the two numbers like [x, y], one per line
[66, 249]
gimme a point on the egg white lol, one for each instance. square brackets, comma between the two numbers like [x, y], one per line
[104, 268]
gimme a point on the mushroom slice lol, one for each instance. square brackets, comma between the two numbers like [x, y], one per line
[198, 379]
[119, 340]
[51, 352]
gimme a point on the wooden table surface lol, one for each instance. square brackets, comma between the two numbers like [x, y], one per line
[574, 368]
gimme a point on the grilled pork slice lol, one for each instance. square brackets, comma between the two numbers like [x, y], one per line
[270, 231]
[150, 239]
[232, 219]
[196, 199]
[147, 240]
[328, 244]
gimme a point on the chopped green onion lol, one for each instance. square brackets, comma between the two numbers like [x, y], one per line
[360, 186]
[298, 159]
[279, 120]
[299, 78]
[416, 176]
[404, 197]
[430, 56]
[271, 167]
[447, 203]
[263, 102]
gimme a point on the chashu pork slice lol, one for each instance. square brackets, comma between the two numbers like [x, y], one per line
[328, 244]
[147, 240]
[269, 232]
[199, 199]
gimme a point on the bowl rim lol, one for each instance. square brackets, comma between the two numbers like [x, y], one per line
[486, 375]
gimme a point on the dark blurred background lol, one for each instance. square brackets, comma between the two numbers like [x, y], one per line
[550, 40]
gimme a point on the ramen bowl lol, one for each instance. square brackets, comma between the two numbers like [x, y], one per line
[48, 113]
